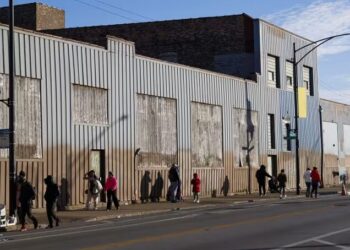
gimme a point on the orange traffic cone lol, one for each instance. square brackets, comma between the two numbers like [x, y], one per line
[343, 190]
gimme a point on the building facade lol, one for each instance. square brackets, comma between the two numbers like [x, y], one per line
[83, 106]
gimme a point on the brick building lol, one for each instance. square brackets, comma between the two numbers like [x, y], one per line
[35, 16]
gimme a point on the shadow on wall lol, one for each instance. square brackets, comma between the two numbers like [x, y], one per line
[63, 199]
[157, 188]
[225, 187]
[145, 181]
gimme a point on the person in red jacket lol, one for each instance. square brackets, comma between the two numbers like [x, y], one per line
[111, 188]
[196, 183]
[315, 180]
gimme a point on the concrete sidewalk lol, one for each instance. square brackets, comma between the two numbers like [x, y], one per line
[130, 210]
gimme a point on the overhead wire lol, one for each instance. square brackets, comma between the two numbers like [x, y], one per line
[105, 10]
[125, 10]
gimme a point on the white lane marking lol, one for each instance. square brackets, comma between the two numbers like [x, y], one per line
[97, 229]
[314, 238]
[331, 244]
[52, 231]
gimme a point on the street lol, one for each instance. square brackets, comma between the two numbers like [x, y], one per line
[298, 223]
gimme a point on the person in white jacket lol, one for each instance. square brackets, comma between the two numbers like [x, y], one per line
[307, 179]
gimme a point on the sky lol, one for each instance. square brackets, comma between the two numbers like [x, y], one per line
[313, 19]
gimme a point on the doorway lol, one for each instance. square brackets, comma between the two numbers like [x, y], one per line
[272, 165]
[97, 163]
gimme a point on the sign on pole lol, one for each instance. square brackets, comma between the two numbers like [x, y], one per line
[4, 138]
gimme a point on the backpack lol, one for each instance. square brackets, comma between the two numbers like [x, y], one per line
[27, 192]
[99, 185]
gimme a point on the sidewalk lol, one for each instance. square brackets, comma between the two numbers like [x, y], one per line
[130, 210]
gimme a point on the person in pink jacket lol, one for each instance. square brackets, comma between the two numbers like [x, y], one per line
[111, 189]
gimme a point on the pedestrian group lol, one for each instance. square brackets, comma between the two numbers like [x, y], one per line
[26, 193]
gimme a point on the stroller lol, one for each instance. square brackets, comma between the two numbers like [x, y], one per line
[273, 188]
[178, 195]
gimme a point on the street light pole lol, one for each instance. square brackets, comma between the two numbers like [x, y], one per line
[322, 153]
[296, 116]
[11, 104]
[296, 120]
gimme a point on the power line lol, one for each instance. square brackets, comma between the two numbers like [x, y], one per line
[105, 10]
[125, 10]
[334, 91]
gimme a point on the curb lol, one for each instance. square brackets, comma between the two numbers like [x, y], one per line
[101, 218]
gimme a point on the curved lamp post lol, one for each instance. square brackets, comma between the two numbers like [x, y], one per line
[296, 116]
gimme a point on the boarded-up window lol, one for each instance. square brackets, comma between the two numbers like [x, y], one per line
[330, 138]
[346, 137]
[206, 135]
[28, 117]
[156, 133]
[90, 105]
[308, 80]
[289, 75]
[273, 71]
[245, 132]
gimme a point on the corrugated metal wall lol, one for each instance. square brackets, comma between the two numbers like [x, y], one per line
[60, 63]
[336, 159]
[275, 41]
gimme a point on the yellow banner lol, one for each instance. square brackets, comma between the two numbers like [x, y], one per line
[302, 102]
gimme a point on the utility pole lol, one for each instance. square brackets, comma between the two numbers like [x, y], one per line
[296, 117]
[321, 135]
[12, 118]
[296, 120]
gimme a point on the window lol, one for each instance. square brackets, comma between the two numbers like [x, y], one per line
[289, 75]
[90, 105]
[271, 131]
[308, 80]
[273, 71]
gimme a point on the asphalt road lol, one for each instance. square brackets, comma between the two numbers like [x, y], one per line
[292, 223]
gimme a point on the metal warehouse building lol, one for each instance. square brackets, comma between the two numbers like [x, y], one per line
[83, 106]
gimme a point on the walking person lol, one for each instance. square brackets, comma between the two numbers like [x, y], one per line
[94, 189]
[51, 196]
[315, 180]
[307, 179]
[174, 178]
[282, 180]
[196, 183]
[26, 197]
[261, 175]
[111, 187]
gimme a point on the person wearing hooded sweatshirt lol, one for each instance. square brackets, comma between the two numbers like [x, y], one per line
[261, 175]
[111, 189]
[51, 195]
[26, 195]
[315, 180]
[196, 183]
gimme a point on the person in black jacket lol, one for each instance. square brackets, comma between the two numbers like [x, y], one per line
[282, 180]
[51, 196]
[26, 195]
[261, 175]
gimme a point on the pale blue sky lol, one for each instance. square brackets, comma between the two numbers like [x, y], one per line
[313, 19]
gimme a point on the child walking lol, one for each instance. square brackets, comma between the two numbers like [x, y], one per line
[196, 183]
